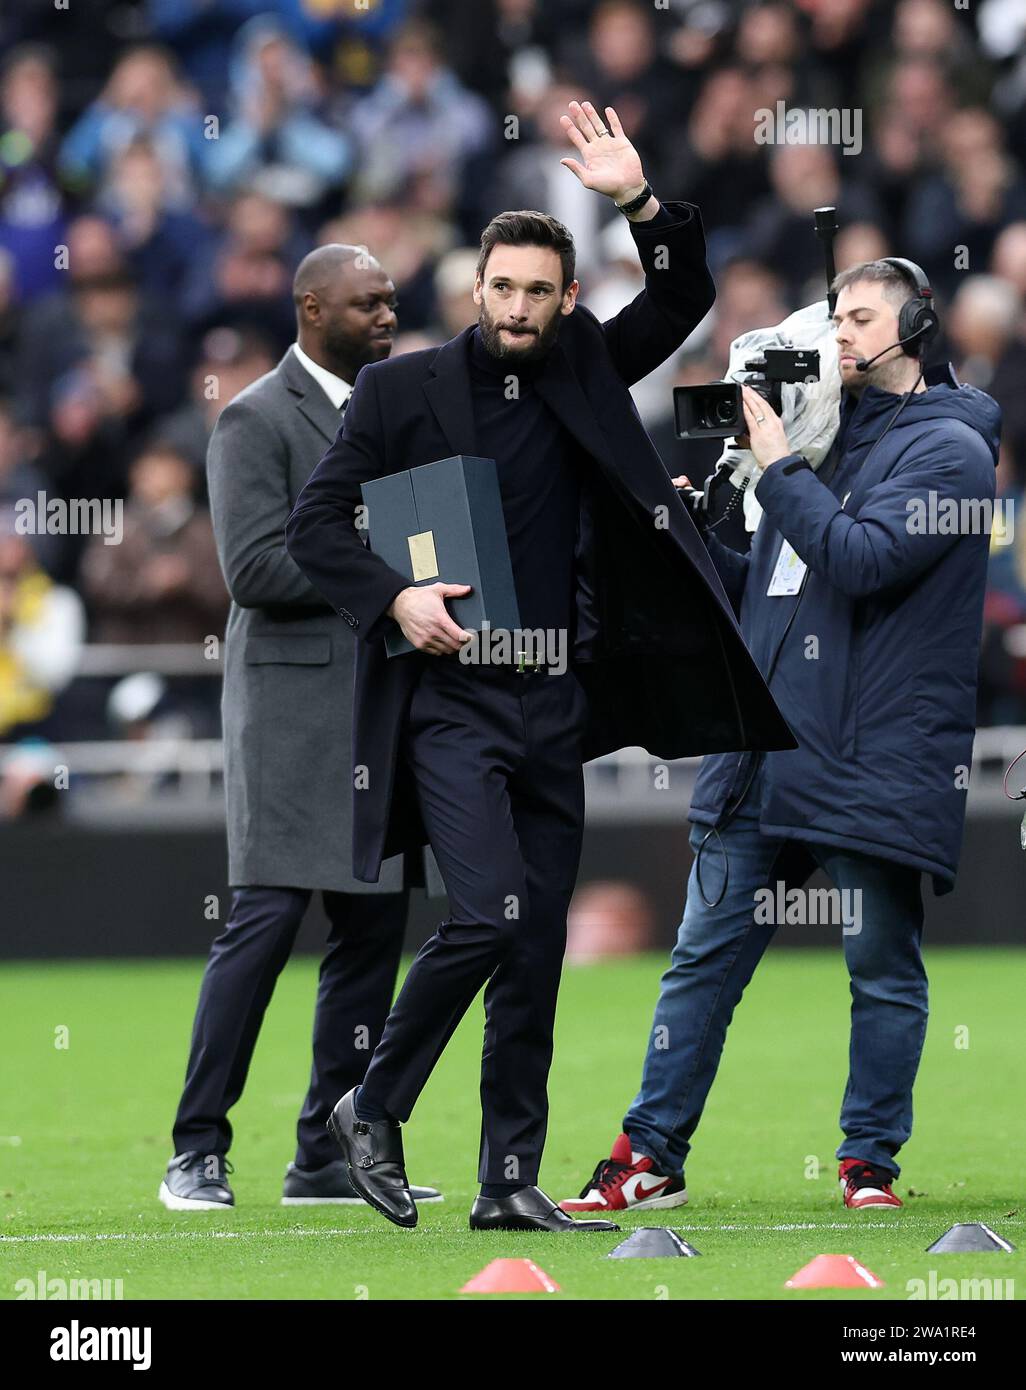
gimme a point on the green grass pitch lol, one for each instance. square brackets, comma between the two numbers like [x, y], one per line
[84, 1139]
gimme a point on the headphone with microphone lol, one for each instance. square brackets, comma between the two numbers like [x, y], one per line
[917, 320]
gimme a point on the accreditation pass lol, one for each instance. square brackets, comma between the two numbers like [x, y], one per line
[788, 573]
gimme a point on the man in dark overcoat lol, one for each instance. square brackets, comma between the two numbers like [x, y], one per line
[484, 759]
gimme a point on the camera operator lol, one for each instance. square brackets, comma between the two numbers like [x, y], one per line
[862, 605]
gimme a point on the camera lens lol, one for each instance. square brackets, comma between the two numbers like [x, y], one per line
[724, 412]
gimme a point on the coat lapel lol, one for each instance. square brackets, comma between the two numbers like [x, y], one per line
[310, 400]
[448, 394]
[561, 391]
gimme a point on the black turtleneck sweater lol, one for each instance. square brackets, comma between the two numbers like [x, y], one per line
[537, 461]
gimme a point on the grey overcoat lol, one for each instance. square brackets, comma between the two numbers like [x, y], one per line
[288, 678]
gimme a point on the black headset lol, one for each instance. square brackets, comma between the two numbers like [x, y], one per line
[918, 317]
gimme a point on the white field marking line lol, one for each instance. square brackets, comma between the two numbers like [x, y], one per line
[178, 1235]
[364, 1231]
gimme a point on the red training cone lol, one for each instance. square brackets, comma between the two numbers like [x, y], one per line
[511, 1276]
[834, 1272]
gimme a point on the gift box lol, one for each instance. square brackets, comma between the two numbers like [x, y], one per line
[443, 522]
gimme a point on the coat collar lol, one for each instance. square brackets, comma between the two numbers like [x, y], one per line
[865, 411]
[449, 395]
[866, 427]
[310, 399]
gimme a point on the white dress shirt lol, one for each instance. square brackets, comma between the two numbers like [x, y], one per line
[336, 390]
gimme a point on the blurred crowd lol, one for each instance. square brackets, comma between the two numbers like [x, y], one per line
[165, 164]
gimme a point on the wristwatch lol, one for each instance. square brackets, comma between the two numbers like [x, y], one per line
[635, 204]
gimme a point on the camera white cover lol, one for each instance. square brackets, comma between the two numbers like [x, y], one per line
[810, 409]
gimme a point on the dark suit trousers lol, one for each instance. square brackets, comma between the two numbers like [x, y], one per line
[496, 758]
[357, 981]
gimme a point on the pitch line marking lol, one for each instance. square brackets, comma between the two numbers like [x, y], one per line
[54, 1238]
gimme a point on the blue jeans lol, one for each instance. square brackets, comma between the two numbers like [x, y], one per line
[715, 956]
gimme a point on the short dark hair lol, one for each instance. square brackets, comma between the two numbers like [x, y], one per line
[527, 228]
[898, 287]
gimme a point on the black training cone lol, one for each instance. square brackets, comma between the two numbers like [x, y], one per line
[652, 1243]
[972, 1235]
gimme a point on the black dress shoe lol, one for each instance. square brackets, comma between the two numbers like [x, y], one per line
[528, 1210]
[331, 1184]
[197, 1182]
[373, 1151]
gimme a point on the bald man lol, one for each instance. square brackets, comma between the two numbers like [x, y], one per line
[286, 712]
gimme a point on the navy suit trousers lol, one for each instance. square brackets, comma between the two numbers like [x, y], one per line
[496, 758]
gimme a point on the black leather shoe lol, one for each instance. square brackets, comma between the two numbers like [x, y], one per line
[307, 1187]
[197, 1182]
[373, 1152]
[528, 1210]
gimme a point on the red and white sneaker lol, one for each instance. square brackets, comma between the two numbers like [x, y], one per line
[627, 1181]
[863, 1185]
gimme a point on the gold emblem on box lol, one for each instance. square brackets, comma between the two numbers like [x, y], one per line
[422, 555]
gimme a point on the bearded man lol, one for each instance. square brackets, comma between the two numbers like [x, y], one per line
[485, 760]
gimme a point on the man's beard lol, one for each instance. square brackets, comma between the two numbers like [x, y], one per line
[541, 345]
[348, 354]
[888, 376]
